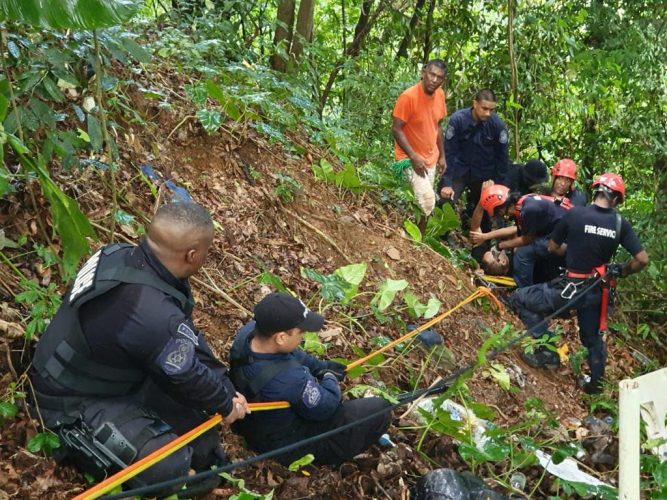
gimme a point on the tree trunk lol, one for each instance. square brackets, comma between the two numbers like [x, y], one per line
[407, 37]
[364, 25]
[428, 43]
[364, 15]
[514, 83]
[304, 28]
[283, 35]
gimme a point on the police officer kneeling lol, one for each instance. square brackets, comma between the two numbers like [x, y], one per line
[267, 365]
[588, 236]
[121, 370]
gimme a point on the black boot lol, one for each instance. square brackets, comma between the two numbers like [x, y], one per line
[542, 357]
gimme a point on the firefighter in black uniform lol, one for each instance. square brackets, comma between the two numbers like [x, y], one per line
[121, 369]
[267, 365]
[588, 236]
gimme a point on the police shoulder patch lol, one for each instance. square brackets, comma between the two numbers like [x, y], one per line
[451, 132]
[177, 356]
[503, 138]
[312, 394]
[187, 332]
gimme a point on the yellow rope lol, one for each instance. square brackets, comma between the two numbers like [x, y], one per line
[501, 280]
[161, 453]
[476, 294]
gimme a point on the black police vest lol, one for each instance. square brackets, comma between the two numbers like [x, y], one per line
[264, 434]
[251, 388]
[63, 355]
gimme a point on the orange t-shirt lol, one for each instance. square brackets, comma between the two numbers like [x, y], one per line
[421, 113]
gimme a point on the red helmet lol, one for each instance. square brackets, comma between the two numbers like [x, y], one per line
[494, 196]
[610, 182]
[564, 168]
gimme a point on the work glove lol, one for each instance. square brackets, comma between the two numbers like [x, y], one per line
[333, 368]
[615, 270]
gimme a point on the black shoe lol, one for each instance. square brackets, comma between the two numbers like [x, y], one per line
[542, 357]
[589, 386]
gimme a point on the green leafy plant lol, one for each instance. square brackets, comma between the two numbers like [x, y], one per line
[43, 303]
[340, 286]
[8, 408]
[387, 292]
[66, 14]
[313, 344]
[347, 178]
[442, 219]
[244, 493]
[418, 310]
[301, 462]
[44, 442]
[287, 187]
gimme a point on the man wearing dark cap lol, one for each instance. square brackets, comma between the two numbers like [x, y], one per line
[526, 178]
[267, 365]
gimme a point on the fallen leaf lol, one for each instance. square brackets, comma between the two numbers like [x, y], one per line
[11, 330]
[328, 334]
[393, 253]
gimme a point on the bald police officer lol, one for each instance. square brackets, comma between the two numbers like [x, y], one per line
[121, 369]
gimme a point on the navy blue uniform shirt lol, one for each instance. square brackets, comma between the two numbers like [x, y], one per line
[538, 216]
[590, 234]
[478, 148]
[140, 327]
[309, 398]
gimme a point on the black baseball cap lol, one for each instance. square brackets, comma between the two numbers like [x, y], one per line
[279, 312]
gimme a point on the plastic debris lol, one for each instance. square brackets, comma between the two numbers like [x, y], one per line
[429, 337]
[448, 484]
[471, 423]
[385, 440]
[176, 193]
[518, 481]
[568, 470]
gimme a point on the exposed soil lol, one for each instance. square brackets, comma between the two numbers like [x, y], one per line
[323, 228]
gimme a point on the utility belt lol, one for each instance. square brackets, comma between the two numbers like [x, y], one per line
[573, 282]
[106, 449]
[65, 404]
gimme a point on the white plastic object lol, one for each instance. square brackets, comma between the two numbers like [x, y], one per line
[643, 396]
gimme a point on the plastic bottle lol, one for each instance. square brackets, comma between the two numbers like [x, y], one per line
[518, 481]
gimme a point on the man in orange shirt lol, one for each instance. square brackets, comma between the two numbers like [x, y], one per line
[418, 137]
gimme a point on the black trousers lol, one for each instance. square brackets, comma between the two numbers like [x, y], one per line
[152, 408]
[340, 447]
[536, 302]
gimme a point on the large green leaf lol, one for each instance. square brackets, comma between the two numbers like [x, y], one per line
[69, 14]
[72, 226]
[388, 290]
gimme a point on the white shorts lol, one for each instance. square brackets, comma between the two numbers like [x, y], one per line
[422, 187]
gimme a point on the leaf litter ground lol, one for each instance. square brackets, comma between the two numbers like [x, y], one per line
[233, 173]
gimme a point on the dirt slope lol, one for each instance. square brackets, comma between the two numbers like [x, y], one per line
[233, 174]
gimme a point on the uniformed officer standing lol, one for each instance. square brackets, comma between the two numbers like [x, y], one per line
[589, 237]
[121, 369]
[476, 150]
[267, 365]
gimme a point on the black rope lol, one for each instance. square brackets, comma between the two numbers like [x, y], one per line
[403, 399]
